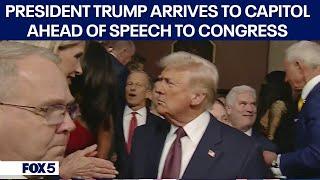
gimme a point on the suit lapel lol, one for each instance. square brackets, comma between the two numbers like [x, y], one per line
[206, 153]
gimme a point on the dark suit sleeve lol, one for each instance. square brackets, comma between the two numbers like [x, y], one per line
[305, 160]
[254, 166]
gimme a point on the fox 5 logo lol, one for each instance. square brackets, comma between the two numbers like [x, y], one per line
[40, 168]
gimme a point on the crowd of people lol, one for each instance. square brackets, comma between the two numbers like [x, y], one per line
[92, 107]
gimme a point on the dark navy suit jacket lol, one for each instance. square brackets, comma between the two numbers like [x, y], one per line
[264, 143]
[236, 154]
[121, 73]
[304, 162]
[122, 154]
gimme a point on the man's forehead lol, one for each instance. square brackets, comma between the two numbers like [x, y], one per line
[172, 73]
[40, 81]
[246, 96]
[138, 76]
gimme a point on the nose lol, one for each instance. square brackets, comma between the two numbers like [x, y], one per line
[67, 125]
[159, 89]
[79, 69]
[133, 87]
[251, 108]
[286, 78]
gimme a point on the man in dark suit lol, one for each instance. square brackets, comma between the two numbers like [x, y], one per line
[191, 143]
[302, 66]
[242, 112]
[134, 114]
[122, 52]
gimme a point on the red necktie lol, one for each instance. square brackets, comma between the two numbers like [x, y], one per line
[172, 164]
[132, 127]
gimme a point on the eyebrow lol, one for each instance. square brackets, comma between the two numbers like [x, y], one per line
[79, 54]
[52, 102]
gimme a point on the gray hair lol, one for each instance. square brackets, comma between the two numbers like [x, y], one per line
[204, 74]
[306, 51]
[10, 52]
[235, 91]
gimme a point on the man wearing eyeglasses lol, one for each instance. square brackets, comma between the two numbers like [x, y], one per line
[35, 106]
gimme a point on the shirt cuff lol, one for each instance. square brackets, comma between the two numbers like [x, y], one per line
[276, 171]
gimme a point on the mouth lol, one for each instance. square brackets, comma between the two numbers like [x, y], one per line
[160, 102]
[132, 95]
[248, 115]
[70, 77]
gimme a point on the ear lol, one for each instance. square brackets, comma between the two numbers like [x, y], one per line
[305, 69]
[197, 98]
[299, 64]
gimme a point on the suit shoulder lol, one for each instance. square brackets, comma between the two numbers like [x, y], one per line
[236, 135]
[154, 124]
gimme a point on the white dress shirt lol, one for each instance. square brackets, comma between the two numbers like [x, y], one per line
[309, 86]
[141, 119]
[194, 130]
[249, 132]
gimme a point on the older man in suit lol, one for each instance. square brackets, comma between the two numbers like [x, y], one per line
[191, 143]
[242, 112]
[302, 66]
[35, 113]
[122, 52]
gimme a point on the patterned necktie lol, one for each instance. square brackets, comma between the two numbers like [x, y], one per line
[300, 104]
[132, 127]
[172, 164]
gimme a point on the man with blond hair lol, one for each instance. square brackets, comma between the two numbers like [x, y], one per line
[191, 143]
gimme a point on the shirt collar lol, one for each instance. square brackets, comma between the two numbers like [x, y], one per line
[195, 128]
[309, 86]
[141, 112]
[249, 132]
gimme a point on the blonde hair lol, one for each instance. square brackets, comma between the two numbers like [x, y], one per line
[204, 74]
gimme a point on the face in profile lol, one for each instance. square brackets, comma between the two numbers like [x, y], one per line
[294, 76]
[220, 112]
[242, 113]
[137, 90]
[70, 59]
[174, 94]
[29, 134]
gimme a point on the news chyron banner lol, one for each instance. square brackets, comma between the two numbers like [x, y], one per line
[160, 19]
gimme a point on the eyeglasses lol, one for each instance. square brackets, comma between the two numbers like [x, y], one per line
[54, 114]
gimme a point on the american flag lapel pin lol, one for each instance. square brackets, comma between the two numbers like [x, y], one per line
[211, 153]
